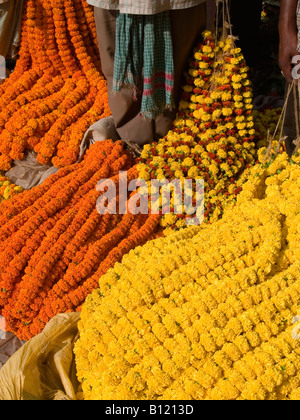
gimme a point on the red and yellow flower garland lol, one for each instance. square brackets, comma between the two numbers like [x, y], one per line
[213, 135]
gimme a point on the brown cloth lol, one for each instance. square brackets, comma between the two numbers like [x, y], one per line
[9, 344]
[187, 26]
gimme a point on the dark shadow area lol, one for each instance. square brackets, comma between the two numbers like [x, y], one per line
[256, 24]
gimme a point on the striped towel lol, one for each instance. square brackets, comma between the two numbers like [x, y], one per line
[144, 60]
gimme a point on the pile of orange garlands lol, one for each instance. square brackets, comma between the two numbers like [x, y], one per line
[55, 245]
[57, 89]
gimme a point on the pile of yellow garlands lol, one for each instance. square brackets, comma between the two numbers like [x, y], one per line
[206, 313]
[266, 124]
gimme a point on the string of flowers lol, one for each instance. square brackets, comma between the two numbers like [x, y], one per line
[206, 313]
[55, 244]
[265, 124]
[57, 89]
[213, 135]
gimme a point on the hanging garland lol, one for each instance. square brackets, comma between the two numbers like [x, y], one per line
[213, 135]
[266, 125]
[57, 90]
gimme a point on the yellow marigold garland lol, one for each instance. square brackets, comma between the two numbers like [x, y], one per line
[206, 313]
[265, 125]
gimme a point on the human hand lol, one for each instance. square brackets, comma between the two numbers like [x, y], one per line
[288, 53]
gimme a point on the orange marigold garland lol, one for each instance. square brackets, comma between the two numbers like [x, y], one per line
[55, 245]
[57, 89]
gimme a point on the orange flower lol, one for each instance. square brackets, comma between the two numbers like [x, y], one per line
[57, 89]
[54, 243]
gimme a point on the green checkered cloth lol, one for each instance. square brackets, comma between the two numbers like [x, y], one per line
[144, 60]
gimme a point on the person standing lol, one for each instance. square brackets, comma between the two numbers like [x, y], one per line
[289, 47]
[144, 49]
[289, 19]
[10, 30]
[243, 27]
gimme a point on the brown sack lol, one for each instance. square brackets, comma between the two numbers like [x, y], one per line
[44, 368]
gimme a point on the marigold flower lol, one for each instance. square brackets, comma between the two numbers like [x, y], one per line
[221, 307]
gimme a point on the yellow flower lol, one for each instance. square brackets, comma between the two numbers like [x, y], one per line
[180, 224]
[199, 82]
[18, 189]
[179, 174]
[235, 61]
[207, 49]
[226, 96]
[229, 126]
[236, 86]
[193, 73]
[236, 78]
[188, 162]
[239, 105]
[175, 166]
[144, 175]
[216, 114]
[241, 126]
[208, 100]
[193, 172]
[144, 154]
[236, 51]
[227, 111]
[214, 169]
[206, 117]
[247, 94]
[215, 95]
[225, 167]
[222, 154]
